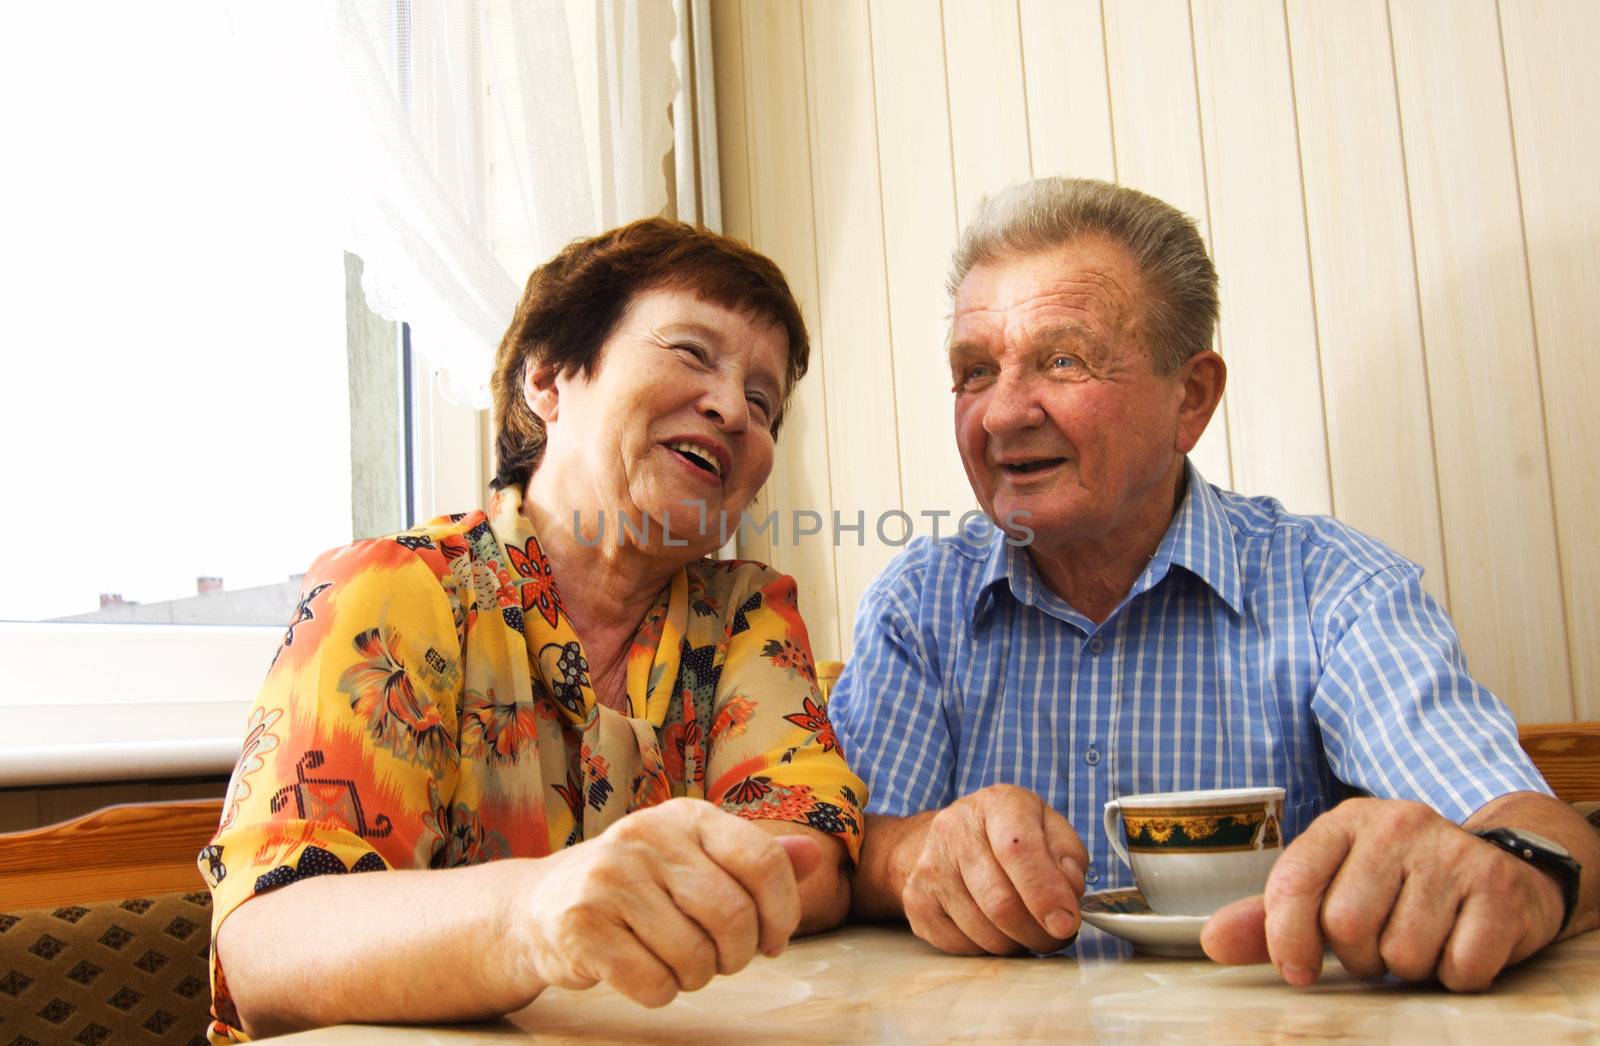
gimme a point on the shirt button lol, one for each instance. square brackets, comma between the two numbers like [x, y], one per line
[1092, 756]
[1091, 876]
[1096, 645]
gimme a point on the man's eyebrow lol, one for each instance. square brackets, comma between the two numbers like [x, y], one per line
[961, 350]
[1053, 333]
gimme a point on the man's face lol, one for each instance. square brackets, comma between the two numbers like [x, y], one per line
[1060, 413]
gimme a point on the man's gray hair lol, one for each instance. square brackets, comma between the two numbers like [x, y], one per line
[1049, 213]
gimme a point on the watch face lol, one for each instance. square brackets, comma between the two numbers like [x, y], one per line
[1540, 841]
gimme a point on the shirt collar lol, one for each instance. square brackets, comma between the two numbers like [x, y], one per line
[1199, 539]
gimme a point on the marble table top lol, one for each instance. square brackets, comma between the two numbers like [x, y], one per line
[878, 984]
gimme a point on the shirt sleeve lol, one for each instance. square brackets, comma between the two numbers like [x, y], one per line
[1401, 718]
[889, 705]
[351, 742]
[773, 753]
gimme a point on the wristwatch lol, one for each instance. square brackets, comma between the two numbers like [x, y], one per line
[1542, 854]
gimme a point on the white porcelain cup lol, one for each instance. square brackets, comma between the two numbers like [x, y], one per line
[1193, 852]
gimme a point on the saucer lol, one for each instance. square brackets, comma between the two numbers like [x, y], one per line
[1126, 914]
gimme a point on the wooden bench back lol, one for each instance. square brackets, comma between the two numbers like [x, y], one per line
[1568, 755]
[133, 850]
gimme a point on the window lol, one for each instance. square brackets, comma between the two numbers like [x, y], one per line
[197, 401]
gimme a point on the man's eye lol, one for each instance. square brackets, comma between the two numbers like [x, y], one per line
[978, 372]
[1063, 362]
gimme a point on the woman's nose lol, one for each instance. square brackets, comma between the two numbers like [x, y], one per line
[725, 406]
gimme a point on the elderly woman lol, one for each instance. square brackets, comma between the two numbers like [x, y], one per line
[579, 754]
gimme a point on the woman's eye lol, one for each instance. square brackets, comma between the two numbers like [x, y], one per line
[694, 350]
[759, 403]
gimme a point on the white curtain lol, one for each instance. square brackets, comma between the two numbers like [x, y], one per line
[474, 138]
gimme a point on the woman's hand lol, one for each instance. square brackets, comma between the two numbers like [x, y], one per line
[661, 902]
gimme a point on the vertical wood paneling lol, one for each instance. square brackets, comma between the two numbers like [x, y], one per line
[917, 188]
[1380, 439]
[1554, 83]
[1064, 72]
[1156, 127]
[852, 296]
[733, 161]
[988, 107]
[1276, 437]
[1478, 333]
[778, 135]
[1357, 177]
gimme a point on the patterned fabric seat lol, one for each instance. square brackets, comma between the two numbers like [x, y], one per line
[129, 971]
[105, 927]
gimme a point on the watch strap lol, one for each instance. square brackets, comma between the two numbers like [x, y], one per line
[1561, 865]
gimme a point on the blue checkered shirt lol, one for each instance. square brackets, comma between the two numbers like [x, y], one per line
[1257, 648]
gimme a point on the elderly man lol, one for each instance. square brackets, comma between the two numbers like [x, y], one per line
[1161, 634]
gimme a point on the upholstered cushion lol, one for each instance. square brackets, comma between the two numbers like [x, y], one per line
[130, 971]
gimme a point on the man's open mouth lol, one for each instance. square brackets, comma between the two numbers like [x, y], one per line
[697, 456]
[1023, 468]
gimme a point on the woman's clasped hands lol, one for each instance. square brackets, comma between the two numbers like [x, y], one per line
[660, 903]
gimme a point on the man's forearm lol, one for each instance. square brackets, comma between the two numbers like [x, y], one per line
[391, 946]
[1555, 820]
[888, 849]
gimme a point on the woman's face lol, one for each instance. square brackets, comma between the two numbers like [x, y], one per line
[674, 425]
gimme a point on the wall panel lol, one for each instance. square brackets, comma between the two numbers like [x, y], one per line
[1493, 476]
[988, 107]
[852, 294]
[916, 186]
[1402, 208]
[1276, 437]
[1379, 420]
[1555, 95]
[1064, 74]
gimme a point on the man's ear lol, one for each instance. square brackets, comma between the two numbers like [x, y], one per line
[539, 390]
[1203, 377]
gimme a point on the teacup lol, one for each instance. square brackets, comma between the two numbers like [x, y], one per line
[1193, 852]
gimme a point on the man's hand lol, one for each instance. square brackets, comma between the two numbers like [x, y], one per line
[1391, 887]
[997, 871]
[661, 902]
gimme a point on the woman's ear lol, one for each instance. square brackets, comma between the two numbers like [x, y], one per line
[539, 390]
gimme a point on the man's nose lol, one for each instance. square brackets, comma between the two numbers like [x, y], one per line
[1013, 405]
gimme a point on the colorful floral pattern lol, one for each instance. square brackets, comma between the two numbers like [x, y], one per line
[430, 707]
[258, 741]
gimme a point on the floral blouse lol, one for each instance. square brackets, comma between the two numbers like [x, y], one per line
[430, 707]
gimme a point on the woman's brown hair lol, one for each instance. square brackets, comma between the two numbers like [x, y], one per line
[573, 301]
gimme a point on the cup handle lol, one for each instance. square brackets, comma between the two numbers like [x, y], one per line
[1113, 823]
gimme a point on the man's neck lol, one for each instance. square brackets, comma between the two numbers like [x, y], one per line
[1095, 575]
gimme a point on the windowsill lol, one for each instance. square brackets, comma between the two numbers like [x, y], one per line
[118, 743]
[88, 703]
